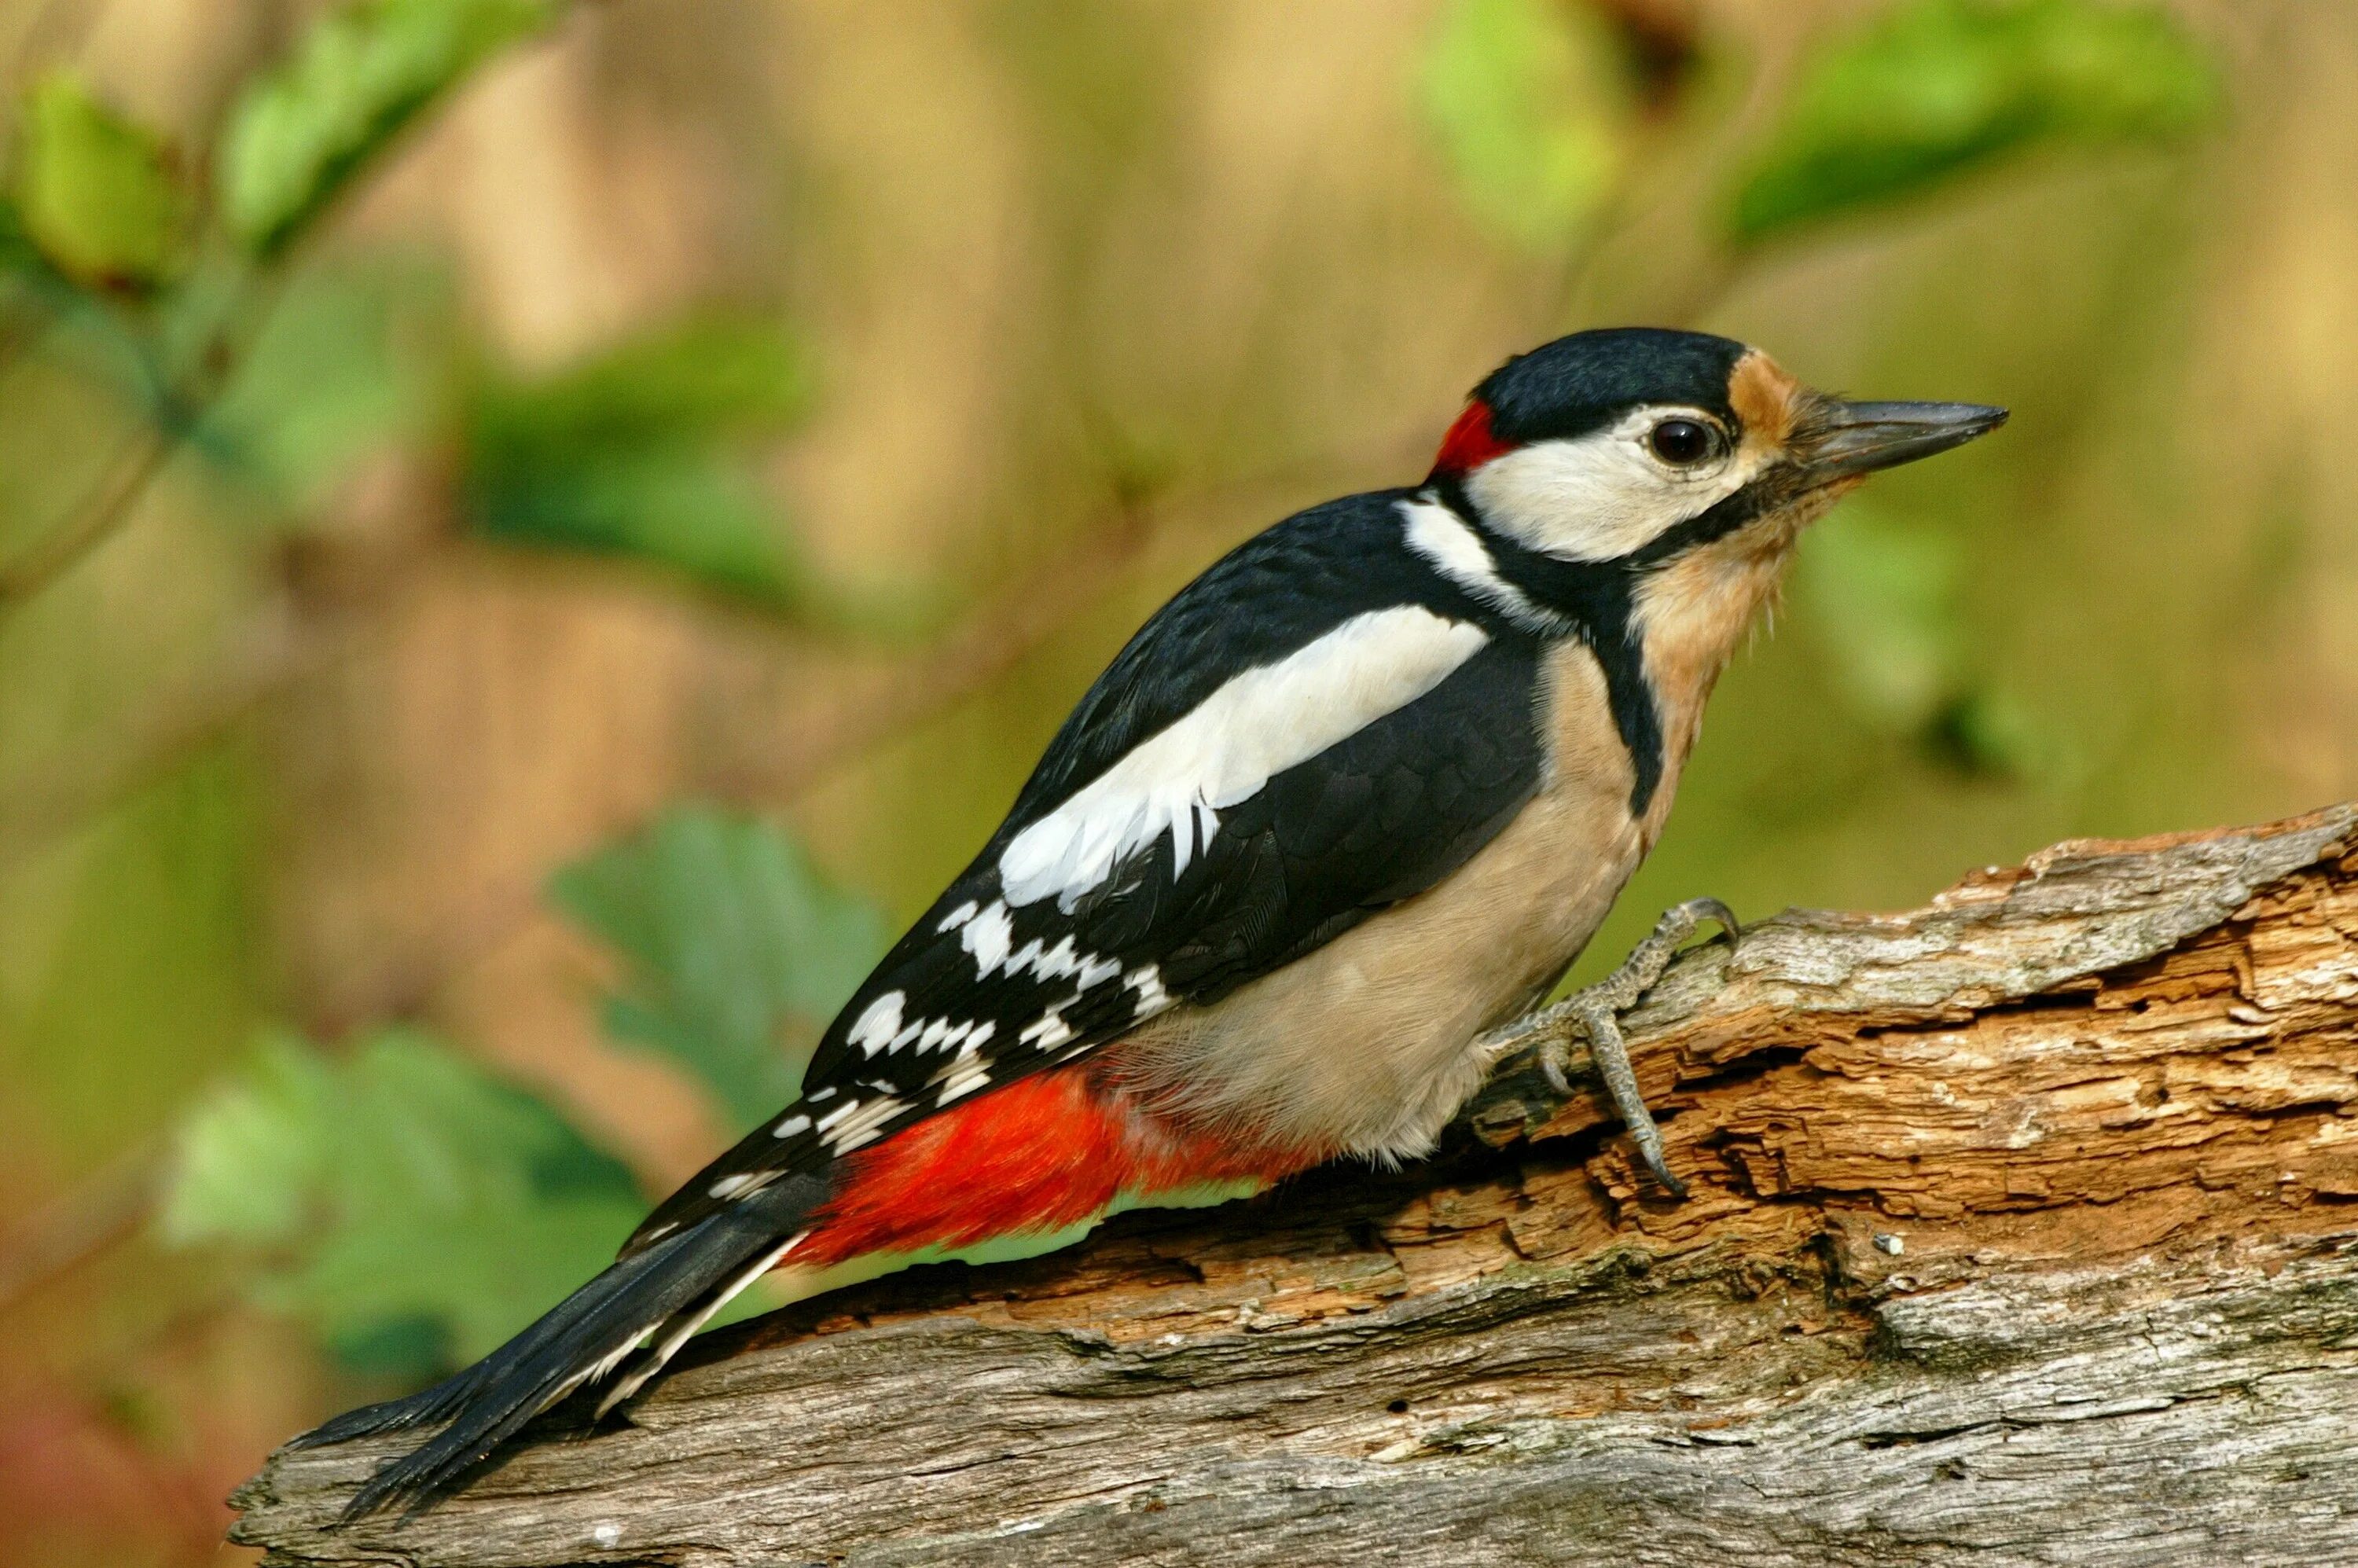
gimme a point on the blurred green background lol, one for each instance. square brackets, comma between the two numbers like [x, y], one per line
[533, 535]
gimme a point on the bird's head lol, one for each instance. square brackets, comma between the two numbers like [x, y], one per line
[1647, 488]
[1638, 445]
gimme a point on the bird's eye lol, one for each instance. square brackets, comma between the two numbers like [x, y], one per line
[1681, 442]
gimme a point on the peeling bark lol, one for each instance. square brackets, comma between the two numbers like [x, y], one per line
[2021, 1232]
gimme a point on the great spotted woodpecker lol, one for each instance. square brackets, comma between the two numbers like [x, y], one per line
[1355, 796]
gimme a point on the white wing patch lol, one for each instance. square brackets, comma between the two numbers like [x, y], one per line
[1253, 728]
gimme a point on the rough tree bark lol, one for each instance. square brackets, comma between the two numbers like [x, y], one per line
[2023, 1232]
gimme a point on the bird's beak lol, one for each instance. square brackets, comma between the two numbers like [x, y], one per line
[1852, 438]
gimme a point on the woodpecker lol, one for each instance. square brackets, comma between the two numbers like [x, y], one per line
[1352, 800]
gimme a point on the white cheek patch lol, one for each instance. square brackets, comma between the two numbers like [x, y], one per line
[1603, 496]
[1253, 728]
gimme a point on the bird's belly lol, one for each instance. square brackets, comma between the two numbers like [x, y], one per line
[1362, 1046]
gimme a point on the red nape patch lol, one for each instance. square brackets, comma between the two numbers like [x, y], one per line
[1043, 1153]
[1469, 443]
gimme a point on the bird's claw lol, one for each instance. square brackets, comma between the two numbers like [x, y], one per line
[1595, 1011]
[1554, 1058]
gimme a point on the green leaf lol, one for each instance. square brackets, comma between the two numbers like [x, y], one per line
[351, 361]
[737, 949]
[1532, 104]
[18, 252]
[700, 379]
[253, 1158]
[300, 132]
[706, 520]
[95, 191]
[1989, 733]
[406, 1203]
[640, 452]
[1934, 88]
[27, 280]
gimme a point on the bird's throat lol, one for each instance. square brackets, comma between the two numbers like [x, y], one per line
[1691, 614]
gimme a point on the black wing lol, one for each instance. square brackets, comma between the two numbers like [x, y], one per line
[998, 981]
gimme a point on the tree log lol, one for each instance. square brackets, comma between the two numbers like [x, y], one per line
[2024, 1230]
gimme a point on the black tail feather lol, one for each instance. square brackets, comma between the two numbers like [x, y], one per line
[579, 1339]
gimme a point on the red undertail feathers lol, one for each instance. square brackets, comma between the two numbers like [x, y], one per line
[1039, 1154]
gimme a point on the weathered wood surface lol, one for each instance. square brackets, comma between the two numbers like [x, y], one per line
[2025, 1230]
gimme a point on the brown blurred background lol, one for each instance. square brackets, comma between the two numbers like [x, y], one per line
[784, 407]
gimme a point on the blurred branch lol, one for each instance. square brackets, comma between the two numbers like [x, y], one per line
[336, 593]
[986, 646]
[93, 1216]
[176, 407]
[108, 506]
[271, 651]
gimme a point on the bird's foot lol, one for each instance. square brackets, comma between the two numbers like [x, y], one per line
[1594, 1011]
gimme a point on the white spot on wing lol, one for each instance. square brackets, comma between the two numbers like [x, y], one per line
[1147, 981]
[792, 1125]
[878, 1022]
[987, 937]
[864, 1125]
[1057, 961]
[958, 1085]
[1254, 727]
[958, 916]
[1049, 1032]
[965, 1072]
